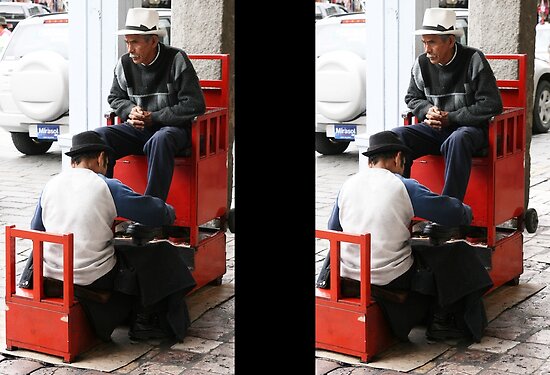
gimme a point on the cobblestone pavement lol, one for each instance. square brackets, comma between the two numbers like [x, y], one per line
[22, 180]
[523, 331]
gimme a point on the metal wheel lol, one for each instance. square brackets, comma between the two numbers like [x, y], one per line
[531, 220]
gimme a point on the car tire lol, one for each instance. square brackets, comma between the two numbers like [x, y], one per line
[541, 108]
[329, 146]
[29, 146]
[40, 85]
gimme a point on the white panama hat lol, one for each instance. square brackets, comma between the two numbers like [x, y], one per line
[439, 21]
[142, 21]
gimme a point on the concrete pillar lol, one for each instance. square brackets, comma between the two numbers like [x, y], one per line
[393, 48]
[207, 26]
[93, 52]
[507, 26]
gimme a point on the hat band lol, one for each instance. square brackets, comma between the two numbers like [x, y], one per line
[438, 28]
[141, 28]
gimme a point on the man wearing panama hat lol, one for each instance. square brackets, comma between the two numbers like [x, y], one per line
[380, 201]
[453, 92]
[82, 201]
[156, 92]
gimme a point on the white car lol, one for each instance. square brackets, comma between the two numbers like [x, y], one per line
[340, 81]
[34, 81]
[541, 101]
[323, 10]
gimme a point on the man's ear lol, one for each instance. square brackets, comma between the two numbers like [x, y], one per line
[400, 159]
[102, 155]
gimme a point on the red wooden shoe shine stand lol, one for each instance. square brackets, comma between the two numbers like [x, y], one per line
[55, 326]
[198, 191]
[352, 326]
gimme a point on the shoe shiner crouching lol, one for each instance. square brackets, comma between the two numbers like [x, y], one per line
[115, 284]
[438, 286]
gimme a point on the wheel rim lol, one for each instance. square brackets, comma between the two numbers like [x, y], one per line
[544, 108]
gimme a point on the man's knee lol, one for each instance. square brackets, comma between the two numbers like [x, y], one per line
[465, 139]
[166, 139]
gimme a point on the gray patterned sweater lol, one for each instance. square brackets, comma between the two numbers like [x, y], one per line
[169, 88]
[466, 88]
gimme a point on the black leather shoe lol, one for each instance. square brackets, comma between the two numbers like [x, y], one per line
[445, 330]
[142, 234]
[148, 326]
[440, 234]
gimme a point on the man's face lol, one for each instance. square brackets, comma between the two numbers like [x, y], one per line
[142, 49]
[438, 50]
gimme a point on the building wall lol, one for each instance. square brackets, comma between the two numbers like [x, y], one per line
[507, 26]
[208, 27]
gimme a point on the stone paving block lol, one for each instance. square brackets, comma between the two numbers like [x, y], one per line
[541, 351]
[226, 349]
[157, 368]
[544, 369]
[175, 357]
[193, 371]
[494, 345]
[455, 369]
[517, 364]
[216, 363]
[17, 367]
[472, 357]
[541, 337]
[65, 371]
[323, 366]
[197, 345]
[361, 371]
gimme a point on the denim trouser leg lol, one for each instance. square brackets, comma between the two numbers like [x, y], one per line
[125, 140]
[457, 148]
[159, 146]
[161, 149]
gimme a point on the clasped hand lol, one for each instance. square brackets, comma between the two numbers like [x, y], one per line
[140, 118]
[436, 118]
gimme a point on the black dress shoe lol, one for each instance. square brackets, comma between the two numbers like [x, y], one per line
[148, 326]
[142, 234]
[440, 234]
[445, 328]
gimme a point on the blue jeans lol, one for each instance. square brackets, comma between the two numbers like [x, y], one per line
[160, 147]
[457, 145]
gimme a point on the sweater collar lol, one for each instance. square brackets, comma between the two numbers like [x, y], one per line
[157, 56]
[452, 59]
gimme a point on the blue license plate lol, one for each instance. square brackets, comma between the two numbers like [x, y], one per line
[345, 132]
[47, 132]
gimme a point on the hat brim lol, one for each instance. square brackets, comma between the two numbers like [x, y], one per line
[89, 148]
[386, 148]
[457, 33]
[160, 32]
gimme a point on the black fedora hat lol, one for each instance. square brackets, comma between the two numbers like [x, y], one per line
[385, 141]
[87, 141]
